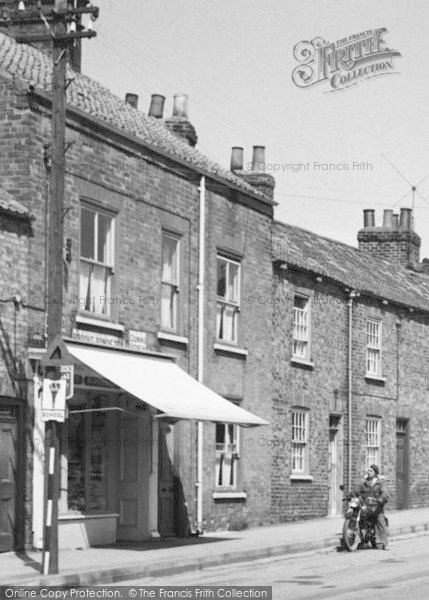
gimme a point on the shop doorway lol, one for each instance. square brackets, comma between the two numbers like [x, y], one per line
[402, 463]
[335, 465]
[8, 472]
[166, 482]
[133, 480]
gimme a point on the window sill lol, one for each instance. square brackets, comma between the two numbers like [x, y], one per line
[101, 323]
[164, 336]
[227, 349]
[302, 362]
[297, 477]
[375, 378]
[229, 496]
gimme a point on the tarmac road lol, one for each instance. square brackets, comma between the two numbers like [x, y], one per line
[400, 571]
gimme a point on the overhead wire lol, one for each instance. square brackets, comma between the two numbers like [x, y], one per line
[229, 125]
[127, 61]
[343, 200]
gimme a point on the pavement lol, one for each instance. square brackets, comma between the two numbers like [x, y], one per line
[122, 562]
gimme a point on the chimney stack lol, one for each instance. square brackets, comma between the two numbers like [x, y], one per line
[156, 108]
[397, 243]
[237, 158]
[257, 176]
[424, 266]
[179, 124]
[132, 99]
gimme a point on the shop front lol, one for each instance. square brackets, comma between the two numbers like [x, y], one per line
[123, 402]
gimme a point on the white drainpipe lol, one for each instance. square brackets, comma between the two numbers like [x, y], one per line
[200, 366]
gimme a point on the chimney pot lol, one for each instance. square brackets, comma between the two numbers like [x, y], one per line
[132, 99]
[237, 158]
[395, 221]
[156, 108]
[180, 107]
[258, 158]
[405, 218]
[368, 218]
[388, 218]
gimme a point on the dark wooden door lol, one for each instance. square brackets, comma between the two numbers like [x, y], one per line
[401, 465]
[334, 466]
[8, 460]
[166, 482]
[133, 482]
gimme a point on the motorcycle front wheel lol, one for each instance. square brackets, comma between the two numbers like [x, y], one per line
[351, 535]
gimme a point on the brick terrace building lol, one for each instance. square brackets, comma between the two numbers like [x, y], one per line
[351, 348]
[277, 346]
[134, 184]
[15, 234]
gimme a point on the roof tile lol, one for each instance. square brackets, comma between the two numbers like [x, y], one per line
[88, 95]
[350, 266]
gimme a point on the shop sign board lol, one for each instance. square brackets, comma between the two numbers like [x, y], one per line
[137, 340]
[101, 339]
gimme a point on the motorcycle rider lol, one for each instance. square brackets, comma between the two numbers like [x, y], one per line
[374, 496]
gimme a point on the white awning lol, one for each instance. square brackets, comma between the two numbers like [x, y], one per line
[160, 383]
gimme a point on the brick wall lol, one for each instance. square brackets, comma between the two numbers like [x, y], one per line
[403, 395]
[235, 230]
[15, 378]
[400, 393]
[317, 388]
[400, 247]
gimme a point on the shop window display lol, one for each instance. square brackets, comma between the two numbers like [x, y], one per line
[87, 458]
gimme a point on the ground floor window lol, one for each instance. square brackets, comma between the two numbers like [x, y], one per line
[226, 454]
[373, 427]
[300, 442]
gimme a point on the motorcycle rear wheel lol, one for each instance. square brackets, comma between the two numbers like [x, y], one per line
[351, 535]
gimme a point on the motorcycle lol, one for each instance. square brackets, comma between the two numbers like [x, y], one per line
[359, 522]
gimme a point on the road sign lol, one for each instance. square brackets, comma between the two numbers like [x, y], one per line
[67, 373]
[54, 400]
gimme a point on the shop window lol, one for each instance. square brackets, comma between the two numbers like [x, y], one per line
[228, 299]
[87, 460]
[170, 282]
[96, 261]
[227, 446]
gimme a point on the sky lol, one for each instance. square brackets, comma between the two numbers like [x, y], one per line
[235, 60]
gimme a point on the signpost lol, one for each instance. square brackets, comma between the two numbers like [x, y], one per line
[54, 400]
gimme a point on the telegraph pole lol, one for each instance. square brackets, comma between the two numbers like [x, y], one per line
[63, 27]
